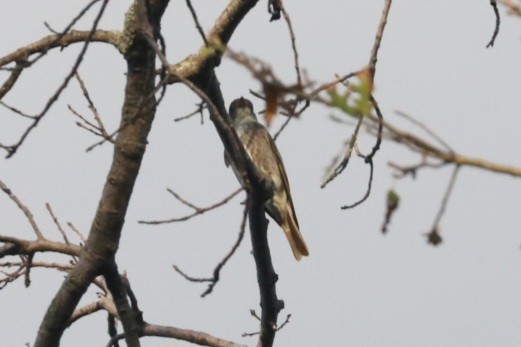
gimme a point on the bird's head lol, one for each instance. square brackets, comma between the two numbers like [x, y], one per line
[241, 110]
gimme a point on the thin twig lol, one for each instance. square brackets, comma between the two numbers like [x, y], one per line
[493, 3]
[378, 38]
[369, 185]
[446, 197]
[11, 150]
[293, 43]
[197, 210]
[196, 20]
[284, 125]
[277, 328]
[347, 155]
[201, 106]
[64, 31]
[76, 230]
[216, 272]
[57, 222]
[412, 170]
[92, 107]
[426, 129]
[17, 111]
[24, 209]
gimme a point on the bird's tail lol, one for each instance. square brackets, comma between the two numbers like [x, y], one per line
[292, 232]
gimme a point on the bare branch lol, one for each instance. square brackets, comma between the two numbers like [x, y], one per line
[198, 210]
[368, 190]
[128, 317]
[217, 271]
[129, 150]
[196, 20]
[201, 106]
[347, 155]
[54, 41]
[218, 37]
[412, 170]
[493, 3]
[17, 111]
[11, 150]
[25, 247]
[191, 336]
[24, 209]
[100, 127]
[433, 237]
[13, 77]
[378, 38]
[80, 235]
[293, 41]
[426, 129]
[58, 225]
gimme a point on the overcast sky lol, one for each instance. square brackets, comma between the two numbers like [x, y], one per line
[357, 288]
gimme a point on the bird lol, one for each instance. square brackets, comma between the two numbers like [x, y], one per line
[265, 157]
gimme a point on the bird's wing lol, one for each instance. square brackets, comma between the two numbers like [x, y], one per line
[264, 154]
[285, 181]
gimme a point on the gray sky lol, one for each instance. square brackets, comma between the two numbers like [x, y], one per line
[358, 287]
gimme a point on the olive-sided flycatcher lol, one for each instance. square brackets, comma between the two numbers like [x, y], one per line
[266, 158]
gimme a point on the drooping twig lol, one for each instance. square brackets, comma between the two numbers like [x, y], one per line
[433, 236]
[369, 183]
[347, 155]
[28, 264]
[493, 3]
[372, 69]
[216, 272]
[274, 8]
[368, 159]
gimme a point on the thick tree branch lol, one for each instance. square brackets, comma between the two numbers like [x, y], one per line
[192, 336]
[126, 315]
[266, 276]
[52, 41]
[129, 149]
[26, 247]
[196, 66]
